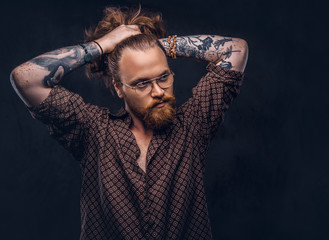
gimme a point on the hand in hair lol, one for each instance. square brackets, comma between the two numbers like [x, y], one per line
[111, 39]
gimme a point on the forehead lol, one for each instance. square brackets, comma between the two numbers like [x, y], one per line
[146, 64]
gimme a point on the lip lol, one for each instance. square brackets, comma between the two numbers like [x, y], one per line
[160, 104]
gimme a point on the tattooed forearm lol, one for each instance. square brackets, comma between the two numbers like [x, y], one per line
[58, 63]
[63, 61]
[205, 47]
[221, 42]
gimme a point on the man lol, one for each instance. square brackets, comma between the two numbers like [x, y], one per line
[142, 168]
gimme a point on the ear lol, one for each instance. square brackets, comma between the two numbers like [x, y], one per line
[117, 89]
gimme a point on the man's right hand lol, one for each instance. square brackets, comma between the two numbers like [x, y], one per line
[111, 39]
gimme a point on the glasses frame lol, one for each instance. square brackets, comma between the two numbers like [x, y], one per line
[156, 79]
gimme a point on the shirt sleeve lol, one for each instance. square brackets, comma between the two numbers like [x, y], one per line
[67, 117]
[204, 111]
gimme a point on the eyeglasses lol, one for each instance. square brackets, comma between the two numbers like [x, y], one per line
[145, 87]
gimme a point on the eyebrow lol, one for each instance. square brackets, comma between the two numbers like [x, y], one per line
[146, 79]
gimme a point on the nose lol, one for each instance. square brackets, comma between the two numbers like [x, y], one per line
[157, 91]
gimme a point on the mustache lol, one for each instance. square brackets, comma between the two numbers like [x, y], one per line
[160, 100]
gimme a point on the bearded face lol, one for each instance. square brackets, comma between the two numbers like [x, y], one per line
[158, 114]
[154, 107]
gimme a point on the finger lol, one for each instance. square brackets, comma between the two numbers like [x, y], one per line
[134, 27]
[135, 32]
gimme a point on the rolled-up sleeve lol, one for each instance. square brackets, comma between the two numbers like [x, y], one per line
[213, 95]
[67, 117]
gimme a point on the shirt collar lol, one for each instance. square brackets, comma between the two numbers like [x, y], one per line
[123, 115]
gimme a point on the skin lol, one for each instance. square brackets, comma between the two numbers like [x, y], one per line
[229, 53]
[34, 79]
[146, 65]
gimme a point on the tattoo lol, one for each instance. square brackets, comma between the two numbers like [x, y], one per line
[225, 64]
[205, 43]
[206, 47]
[229, 52]
[221, 42]
[54, 77]
[164, 43]
[62, 61]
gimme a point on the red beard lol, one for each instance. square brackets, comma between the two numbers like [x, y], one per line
[156, 118]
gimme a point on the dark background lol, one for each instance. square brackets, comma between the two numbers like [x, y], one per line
[267, 173]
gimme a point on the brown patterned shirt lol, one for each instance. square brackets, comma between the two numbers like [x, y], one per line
[118, 199]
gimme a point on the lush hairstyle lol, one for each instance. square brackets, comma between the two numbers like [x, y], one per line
[151, 26]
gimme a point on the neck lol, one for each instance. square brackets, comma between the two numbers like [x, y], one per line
[139, 126]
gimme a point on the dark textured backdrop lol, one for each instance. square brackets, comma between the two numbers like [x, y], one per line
[267, 173]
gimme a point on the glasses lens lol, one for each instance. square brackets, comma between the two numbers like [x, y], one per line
[144, 90]
[165, 81]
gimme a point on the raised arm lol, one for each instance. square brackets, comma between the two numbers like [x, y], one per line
[34, 79]
[230, 53]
